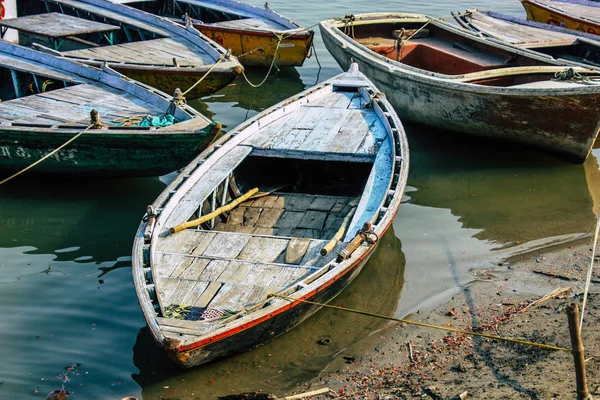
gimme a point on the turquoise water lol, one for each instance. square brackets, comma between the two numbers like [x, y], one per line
[66, 292]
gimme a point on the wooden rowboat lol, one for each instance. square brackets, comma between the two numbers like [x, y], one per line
[437, 74]
[580, 15]
[250, 32]
[140, 45]
[564, 45]
[47, 100]
[329, 162]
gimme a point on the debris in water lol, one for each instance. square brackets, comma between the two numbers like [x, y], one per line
[324, 341]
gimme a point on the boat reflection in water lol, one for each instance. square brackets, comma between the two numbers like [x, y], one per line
[293, 357]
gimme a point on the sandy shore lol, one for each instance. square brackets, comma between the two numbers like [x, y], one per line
[446, 364]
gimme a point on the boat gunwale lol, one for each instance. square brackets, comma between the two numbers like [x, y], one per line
[269, 14]
[331, 29]
[562, 12]
[301, 34]
[330, 276]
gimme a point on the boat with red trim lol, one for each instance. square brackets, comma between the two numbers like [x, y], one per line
[290, 203]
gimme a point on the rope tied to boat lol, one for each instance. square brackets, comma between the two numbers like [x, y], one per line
[349, 24]
[365, 234]
[222, 58]
[422, 324]
[95, 119]
[279, 39]
[178, 100]
[400, 43]
[570, 74]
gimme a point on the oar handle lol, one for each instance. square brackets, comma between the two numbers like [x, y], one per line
[196, 222]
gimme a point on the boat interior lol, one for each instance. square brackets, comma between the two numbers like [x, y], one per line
[272, 242]
[435, 49]
[33, 95]
[100, 35]
[209, 13]
[554, 41]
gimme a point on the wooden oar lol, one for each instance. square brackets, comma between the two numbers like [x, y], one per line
[251, 194]
[228, 207]
[339, 234]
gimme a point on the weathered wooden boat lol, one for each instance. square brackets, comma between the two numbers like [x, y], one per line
[140, 45]
[564, 45]
[253, 34]
[47, 100]
[580, 15]
[441, 75]
[330, 166]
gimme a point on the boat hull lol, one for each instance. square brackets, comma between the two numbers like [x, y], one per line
[540, 13]
[564, 124]
[257, 48]
[169, 79]
[98, 154]
[271, 327]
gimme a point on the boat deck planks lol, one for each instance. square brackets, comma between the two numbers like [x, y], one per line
[111, 15]
[250, 23]
[343, 130]
[589, 12]
[73, 104]
[517, 33]
[298, 215]
[149, 52]
[56, 25]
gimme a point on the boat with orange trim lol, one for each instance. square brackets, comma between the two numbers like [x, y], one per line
[255, 35]
[290, 203]
[579, 15]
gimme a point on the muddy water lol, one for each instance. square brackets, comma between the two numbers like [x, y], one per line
[66, 294]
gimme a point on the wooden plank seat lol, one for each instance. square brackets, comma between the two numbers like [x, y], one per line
[149, 52]
[74, 103]
[322, 133]
[56, 25]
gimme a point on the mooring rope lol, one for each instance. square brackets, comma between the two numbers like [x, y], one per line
[422, 324]
[223, 56]
[279, 39]
[589, 274]
[49, 154]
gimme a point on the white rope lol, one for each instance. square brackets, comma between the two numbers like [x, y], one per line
[589, 274]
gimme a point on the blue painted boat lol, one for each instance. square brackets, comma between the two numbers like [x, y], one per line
[291, 202]
[140, 45]
[46, 100]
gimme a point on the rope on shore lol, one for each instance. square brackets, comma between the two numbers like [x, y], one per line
[49, 154]
[589, 274]
[422, 324]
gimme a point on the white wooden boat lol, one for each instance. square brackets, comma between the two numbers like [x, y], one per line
[438, 74]
[330, 160]
[47, 100]
[562, 44]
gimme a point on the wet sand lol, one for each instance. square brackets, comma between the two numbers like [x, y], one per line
[446, 364]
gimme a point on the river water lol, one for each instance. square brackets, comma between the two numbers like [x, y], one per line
[66, 292]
